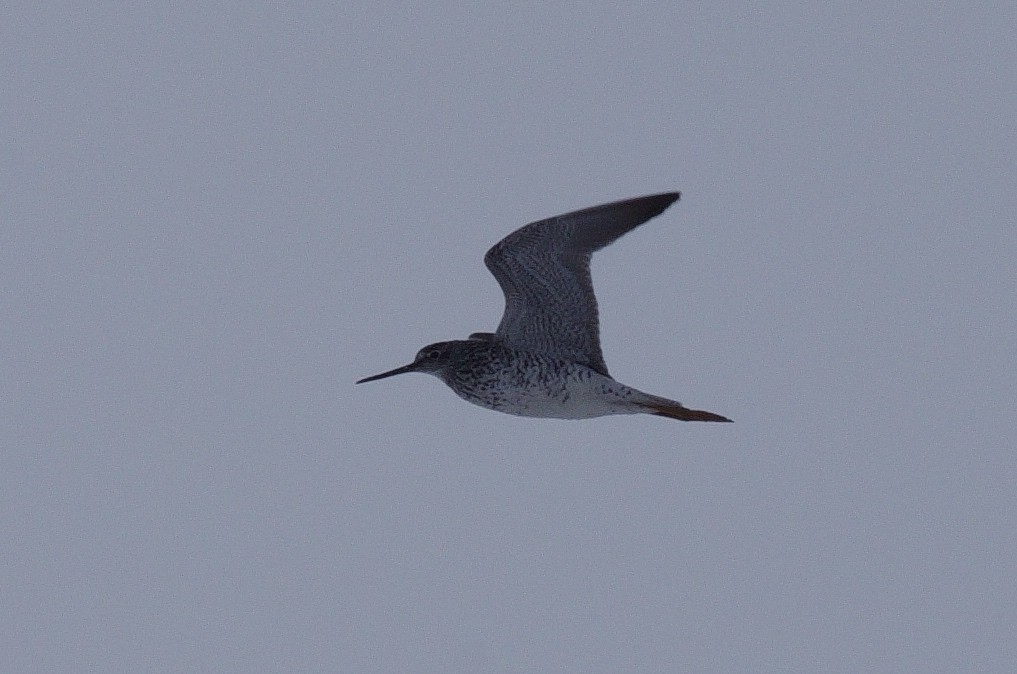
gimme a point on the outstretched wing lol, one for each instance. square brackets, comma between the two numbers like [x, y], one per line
[544, 271]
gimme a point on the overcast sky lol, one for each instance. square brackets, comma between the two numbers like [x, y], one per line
[217, 218]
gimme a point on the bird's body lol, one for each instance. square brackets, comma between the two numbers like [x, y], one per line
[545, 358]
[530, 384]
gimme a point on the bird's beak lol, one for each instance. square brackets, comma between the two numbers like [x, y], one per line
[391, 373]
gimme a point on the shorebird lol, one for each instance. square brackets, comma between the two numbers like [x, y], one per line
[545, 359]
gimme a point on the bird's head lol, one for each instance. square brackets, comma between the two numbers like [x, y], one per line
[431, 359]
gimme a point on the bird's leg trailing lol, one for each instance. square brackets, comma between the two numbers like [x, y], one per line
[674, 410]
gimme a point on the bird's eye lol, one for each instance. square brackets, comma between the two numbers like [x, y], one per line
[433, 353]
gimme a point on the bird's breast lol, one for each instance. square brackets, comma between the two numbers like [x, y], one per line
[535, 385]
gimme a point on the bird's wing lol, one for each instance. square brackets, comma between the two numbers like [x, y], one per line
[544, 270]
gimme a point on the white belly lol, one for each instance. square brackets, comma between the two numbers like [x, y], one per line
[582, 394]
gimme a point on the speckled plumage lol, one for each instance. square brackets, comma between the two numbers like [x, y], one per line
[545, 358]
[531, 384]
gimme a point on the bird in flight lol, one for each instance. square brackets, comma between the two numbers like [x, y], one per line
[545, 360]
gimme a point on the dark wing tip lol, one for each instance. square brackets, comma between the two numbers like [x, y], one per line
[662, 200]
[655, 204]
[632, 212]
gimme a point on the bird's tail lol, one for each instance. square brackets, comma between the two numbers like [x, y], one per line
[674, 410]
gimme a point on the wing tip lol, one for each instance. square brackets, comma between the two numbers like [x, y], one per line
[654, 204]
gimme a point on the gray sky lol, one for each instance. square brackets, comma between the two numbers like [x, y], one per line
[217, 218]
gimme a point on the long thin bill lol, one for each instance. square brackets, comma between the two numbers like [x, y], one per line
[390, 373]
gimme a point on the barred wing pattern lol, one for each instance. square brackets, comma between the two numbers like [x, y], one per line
[544, 270]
